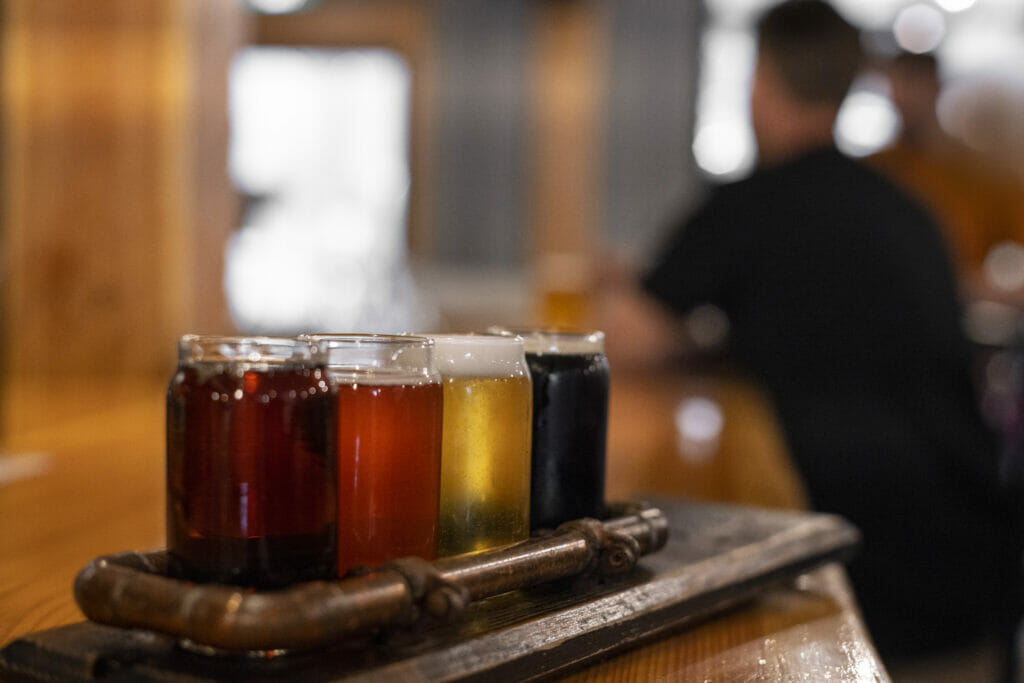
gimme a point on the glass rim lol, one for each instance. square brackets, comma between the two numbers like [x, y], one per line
[369, 340]
[192, 338]
[210, 348]
[471, 338]
[554, 339]
[375, 358]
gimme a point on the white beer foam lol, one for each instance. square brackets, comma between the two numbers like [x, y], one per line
[478, 355]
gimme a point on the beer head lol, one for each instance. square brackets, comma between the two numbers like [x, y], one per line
[479, 355]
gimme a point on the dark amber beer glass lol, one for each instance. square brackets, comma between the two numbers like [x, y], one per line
[388, 420]
[570, 423]
[485, 462]
[250, 470]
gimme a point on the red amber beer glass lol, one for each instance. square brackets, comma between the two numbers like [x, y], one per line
[250, 470]
[570, 423]
[388, 419]
[485, 462]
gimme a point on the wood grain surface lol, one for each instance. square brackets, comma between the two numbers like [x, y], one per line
[82, 463]
[716, 556]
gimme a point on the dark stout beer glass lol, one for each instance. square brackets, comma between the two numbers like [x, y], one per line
[250, 470]
[570, 423]
[388, 417]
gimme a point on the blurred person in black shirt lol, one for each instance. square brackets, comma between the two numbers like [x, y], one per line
[842, 301]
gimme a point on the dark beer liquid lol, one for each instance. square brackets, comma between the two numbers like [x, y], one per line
[250, 475]
[389, 472]
[570, 424]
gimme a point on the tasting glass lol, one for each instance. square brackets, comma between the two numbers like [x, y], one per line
[250, 469]
[485, 460]
[570, 422]
[387, 417]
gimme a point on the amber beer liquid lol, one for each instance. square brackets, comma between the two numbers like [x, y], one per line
[485, 462]
[388, 422]
[250, 467]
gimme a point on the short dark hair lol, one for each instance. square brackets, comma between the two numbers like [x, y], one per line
[816, 51]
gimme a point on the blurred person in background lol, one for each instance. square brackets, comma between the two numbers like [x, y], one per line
[979, 204]
[842, 301]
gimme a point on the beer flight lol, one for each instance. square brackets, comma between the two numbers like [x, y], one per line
[293, 459]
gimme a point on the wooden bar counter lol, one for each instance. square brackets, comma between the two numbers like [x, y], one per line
[82, 475]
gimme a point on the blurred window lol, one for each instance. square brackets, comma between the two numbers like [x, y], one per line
[319, 148]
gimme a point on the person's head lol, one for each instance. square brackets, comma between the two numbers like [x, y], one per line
[807, 58]
[914, 86]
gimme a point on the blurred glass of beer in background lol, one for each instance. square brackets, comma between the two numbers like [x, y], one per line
[564, 280]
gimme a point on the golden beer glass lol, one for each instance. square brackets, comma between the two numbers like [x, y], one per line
[485, 451]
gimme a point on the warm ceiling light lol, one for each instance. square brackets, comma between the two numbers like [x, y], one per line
[919, 28]
[955, 5]
[277, 6]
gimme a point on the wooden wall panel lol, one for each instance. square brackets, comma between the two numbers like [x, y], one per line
[99, 191]
[216, 30]
[566, 109]
[567, 94]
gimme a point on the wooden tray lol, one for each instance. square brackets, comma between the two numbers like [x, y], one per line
[716, 556]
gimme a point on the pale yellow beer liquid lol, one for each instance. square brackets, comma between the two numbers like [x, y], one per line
[485, 463]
